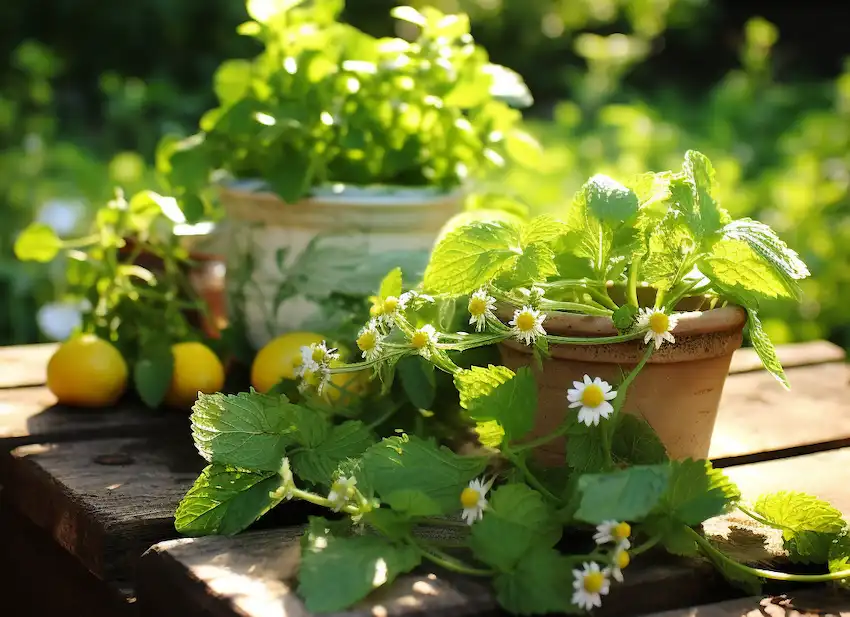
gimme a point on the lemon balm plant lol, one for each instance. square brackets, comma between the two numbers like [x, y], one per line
[502, 515]
[336, 155]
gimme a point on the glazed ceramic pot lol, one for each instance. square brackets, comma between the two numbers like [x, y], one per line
[291, 266]
[677, 392]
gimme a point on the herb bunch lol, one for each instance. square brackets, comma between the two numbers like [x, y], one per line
[141, 310]
[327, 103]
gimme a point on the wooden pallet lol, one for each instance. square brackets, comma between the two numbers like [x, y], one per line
[95, 489]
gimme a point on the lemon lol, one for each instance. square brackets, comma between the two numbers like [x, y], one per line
[345, 387]
[196, 369]
[87, 371]
[279, 359]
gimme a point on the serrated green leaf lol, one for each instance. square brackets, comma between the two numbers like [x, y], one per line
[609, 201]
[534, 265]
[404, 463]
[471, 256]
[670, 252]
[540, 584]
[391, 284]
[249, 430]
[393, 525]
[418, 380]
[839, 557]
[543, 228]
[696, 492]
[765, 349]
[38, 242]
[706, 215]
[624, 317]
[225, 500]
[318, 463]
[152, 375]
[496, 393]
[490, 433]
[517, 521]
[674, 536]
[623, 495]
[588, 238]
[636, 443]
[337, 572]
[809, 525]
[585, 449]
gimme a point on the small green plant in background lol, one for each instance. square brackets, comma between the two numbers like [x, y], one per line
[327, 103]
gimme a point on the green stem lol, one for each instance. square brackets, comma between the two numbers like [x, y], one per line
[383, 417]
[447, 561]
[603, 297]
[441, 522]
[680, 292]
[540, 441]
[600, 340]
[529, 477]
[575, 307]
[359, 366]
[623, 387]
[318, 500]
[77, 243]
[762, 573]
[633, 276]
[645, 546]
[479, 340]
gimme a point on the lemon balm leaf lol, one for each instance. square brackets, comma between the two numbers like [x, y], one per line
[225, 500]
[249, 430]
[391, 284]
[539, 584]
[152, 375]
[765, 349]
[697, 492]
[471, 256]
[498, 394]
[38, 242]
[318, 463]
[336, 572]
[609, 201]
[839, 556]
[623, 495]
[809, 525]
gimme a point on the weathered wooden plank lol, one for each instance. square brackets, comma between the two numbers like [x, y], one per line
[251, 575]
[24, 365]
[795, 354]
[39, 578]
[814, 602]
[31, 415]
[757, 415]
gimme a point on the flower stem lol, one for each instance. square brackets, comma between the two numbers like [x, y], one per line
[575, 307]
[384, 417]
[599, 340]
[318, 500]
[603, 297]
[645, 546]
[633, 276]
[624, 386]
[529, 477]
[441, 522]
[540, 441]
[762, 573]
[447, 561]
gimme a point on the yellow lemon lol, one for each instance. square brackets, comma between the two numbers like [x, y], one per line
[196, 369]
[279, 359]
[87, 371]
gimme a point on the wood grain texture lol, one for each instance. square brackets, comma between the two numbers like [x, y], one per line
[795, 354]
[24, 365]
[251, 575]
[31, 415]
[757, 415]
[815, 602]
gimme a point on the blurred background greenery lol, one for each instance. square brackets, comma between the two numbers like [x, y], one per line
[621, 86]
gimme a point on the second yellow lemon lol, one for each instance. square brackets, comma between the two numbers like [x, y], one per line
[280, 358]
[196, 369]
[87, 371]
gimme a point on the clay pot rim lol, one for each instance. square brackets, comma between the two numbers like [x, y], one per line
[691, 323]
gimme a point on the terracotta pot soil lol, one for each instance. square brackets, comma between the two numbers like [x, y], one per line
[677, 392]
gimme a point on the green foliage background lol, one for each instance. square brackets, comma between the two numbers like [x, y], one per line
[621, 85]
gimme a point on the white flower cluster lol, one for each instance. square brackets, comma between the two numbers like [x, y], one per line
[314, 369]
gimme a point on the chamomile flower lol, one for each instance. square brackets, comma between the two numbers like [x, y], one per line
[481, 306]
[589, 585]
[314, 377]
[621, 561]
[658, 324]
[414, 300]
[369, 341]
[474, 500]
[591, 397]
[342, 491]
[423, 338]
[318, 353]
[614, 532]
[527, 324]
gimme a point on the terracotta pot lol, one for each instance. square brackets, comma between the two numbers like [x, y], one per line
[284, 261]
[677, 392]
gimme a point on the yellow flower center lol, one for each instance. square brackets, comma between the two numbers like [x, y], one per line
[623, 559]
[311, 378]
[366, 341]
[477, 307]
[593, 582]
[318, 354]
[296, 361]
[469, 497]
[592, 396]
[419, 339]
[376, 310]
[525, 322]
[659, 323]
[390, 304]
[622, 531]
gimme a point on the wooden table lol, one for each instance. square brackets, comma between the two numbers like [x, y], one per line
[85, 494]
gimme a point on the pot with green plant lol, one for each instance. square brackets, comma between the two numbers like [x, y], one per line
[338, 155]
[399, 498]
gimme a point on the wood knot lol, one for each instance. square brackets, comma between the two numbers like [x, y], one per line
[114, 459]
